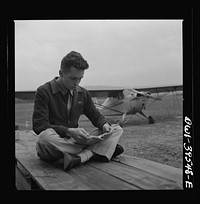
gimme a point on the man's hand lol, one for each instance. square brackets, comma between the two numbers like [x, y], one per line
[107, 128]
[79, 134]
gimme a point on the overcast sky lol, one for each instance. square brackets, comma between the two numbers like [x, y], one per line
[128, 53]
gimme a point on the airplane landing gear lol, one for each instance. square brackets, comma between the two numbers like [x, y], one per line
[151, 120]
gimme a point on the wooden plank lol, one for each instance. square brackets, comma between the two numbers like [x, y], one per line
[27, 139]
[21, 181]
[162, 170]
[88, 175]
[97, 179]
[124, 172]
[47, 176]
[91, 177]
[135, 176]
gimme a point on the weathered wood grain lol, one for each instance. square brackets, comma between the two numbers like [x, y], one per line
[46, 175]
[140, 178]
[21, 182]
[100, 180]
[122, 173]
[161, 170]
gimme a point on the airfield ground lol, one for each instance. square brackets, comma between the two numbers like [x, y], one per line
[161, 141]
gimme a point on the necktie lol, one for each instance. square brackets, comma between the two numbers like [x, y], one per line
[69, 102]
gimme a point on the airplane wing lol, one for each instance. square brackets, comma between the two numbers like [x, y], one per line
[106, 93]
[161, 89]
[29, 95]
[116, 93]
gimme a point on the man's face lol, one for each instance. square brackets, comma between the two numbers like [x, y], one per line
[72, 78]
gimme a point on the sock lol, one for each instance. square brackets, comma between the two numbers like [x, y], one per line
[85, 155]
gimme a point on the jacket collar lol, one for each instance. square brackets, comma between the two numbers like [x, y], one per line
[56, 88]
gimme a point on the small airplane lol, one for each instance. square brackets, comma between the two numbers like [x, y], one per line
[129, 101]
[121, 102]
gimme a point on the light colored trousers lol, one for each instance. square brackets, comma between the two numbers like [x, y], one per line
[50, 146]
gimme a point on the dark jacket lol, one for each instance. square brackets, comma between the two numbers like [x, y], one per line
[50, 109]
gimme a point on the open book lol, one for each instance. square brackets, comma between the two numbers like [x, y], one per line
[93, 139]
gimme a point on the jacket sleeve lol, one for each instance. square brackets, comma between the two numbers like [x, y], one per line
[40, 116]
[92, 112]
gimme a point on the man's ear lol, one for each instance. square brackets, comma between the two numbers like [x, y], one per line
[60, 73]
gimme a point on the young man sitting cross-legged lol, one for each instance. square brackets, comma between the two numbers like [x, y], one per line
[58, 105]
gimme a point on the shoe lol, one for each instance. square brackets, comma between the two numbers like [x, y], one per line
[99, 158]
[71, 161]
[118, 150]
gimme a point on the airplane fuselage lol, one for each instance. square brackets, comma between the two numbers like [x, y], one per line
[127, 105]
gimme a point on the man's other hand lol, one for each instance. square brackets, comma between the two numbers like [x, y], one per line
[79, 134]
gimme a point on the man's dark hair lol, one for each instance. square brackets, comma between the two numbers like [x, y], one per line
[74, 59]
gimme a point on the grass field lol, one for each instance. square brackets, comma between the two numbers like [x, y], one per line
[161, 142]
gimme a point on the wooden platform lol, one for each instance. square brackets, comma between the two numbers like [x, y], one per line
[122, 173]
